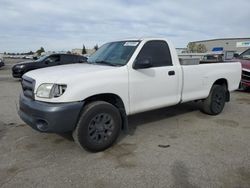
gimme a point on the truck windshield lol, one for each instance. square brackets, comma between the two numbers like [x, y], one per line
[114, 53]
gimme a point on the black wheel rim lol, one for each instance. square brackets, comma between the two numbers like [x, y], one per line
[218, 102]
[100, 128]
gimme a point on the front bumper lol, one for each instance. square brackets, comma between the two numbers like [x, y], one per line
[1, 64]
[17, 73]
[245, 77]
[245, 83]
[49, 117]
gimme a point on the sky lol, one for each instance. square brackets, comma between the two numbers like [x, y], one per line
[27, 25]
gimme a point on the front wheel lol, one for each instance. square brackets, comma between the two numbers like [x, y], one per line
[98, 127]
[215, 102]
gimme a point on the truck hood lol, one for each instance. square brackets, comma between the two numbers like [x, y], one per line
[64, 73]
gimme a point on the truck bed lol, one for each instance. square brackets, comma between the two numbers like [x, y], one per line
[197, 61]
[198, 79]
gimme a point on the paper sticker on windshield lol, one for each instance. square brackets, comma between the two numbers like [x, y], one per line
[131, 44]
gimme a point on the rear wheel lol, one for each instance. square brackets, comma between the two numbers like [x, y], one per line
[215, 102]
[98, 127]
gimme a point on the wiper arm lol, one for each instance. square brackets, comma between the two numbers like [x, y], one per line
[107, 63]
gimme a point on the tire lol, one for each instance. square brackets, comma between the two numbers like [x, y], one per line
[215, 102]
[98, 127]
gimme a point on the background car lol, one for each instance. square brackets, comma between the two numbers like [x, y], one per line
[1, 63]
[244, 59]
[46, 61]
[212, 58]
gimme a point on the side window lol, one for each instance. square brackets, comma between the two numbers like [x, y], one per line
[75, 59]
[72, 59]
[82, 59]
[53, 58]
[67, 58]
[157, 52]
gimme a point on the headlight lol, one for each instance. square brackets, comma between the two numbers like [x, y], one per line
[19, 66]
[50, 90]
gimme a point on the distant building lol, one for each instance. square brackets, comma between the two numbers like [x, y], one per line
[181, 50]
[226, 44]
[79, 51]
[76, 51]
[52, 52]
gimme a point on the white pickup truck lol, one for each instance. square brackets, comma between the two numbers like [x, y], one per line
[93, 99]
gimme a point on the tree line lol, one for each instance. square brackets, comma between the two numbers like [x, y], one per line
[194, 48]
[191, 47]
[42, 50]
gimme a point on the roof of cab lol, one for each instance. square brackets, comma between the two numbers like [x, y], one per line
[140, 39]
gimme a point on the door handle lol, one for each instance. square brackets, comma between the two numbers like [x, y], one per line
[171, 73]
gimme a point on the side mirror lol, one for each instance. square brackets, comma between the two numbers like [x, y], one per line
[236, 55]
[142, 63]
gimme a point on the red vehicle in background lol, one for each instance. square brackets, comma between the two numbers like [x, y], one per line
[244, 58]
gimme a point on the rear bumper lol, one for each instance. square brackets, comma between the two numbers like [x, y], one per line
[49, 117]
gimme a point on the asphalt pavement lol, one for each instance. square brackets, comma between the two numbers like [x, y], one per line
[172, 147]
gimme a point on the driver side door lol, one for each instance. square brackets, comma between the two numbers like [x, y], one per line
[156, 85]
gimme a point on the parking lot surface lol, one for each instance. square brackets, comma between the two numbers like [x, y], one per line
[171, 147]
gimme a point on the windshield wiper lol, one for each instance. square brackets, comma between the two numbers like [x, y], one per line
[107, 63]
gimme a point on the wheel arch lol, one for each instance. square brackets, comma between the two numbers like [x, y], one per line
[223, 82]
[114, 100]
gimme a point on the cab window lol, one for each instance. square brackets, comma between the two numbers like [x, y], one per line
[157, 52]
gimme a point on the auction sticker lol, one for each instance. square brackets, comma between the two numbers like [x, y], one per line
[131, 43]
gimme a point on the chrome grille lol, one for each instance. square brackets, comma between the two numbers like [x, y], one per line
[28, 86]
[245, 76]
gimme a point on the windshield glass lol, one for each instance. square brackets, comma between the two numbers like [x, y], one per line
[245, 55]
[42, 58]
[114, 53]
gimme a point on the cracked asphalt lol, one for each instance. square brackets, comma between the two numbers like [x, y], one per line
[171, 147]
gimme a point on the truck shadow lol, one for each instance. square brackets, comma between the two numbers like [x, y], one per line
[67, 136]
[243, 91]
[156, 115]
[140, 119]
